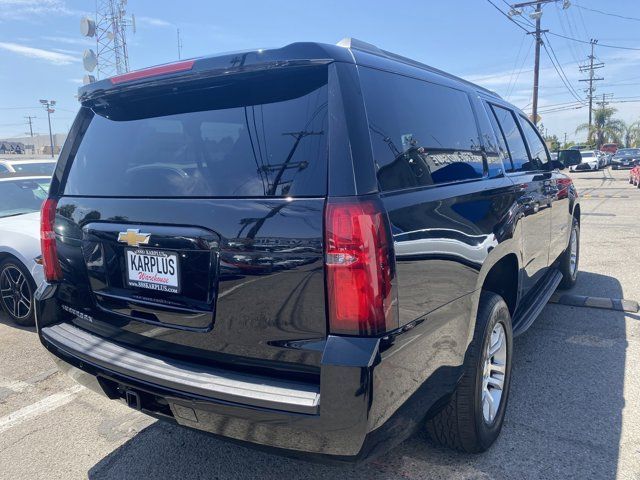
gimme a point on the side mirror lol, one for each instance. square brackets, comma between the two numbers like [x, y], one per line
[557, 164]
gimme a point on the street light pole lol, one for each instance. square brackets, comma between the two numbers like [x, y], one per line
[48, 106]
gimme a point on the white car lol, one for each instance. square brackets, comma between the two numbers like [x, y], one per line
[27, 167]
[590, 161]
[20, 261]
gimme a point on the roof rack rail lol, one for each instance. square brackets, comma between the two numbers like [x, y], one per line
[355, 44]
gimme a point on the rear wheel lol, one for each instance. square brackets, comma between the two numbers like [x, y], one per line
[16, 292]
[472, 419]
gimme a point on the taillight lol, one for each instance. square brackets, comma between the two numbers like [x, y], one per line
[52, 271]
[153, 71]
[360, 268]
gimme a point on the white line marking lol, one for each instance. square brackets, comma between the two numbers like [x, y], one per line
[41, 407]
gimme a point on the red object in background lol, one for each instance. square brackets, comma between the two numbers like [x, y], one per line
[563, 187]
[609, 148]
[634, 176]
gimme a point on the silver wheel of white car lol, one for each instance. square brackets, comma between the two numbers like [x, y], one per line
[16, 293]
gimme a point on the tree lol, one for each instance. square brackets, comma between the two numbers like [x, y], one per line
[605, 128]
[552, 142]
[631, 134]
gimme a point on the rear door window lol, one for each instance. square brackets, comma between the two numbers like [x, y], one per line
[421, 133]
[247, 137]
[513, 139]
[539, 155]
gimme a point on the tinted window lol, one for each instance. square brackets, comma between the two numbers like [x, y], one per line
[537, 149]
[421, 133]
[252, 136]
[496, 164]
[515, 144]
[22, 196]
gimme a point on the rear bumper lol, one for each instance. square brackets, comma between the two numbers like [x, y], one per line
[284, 415]
[362, 405]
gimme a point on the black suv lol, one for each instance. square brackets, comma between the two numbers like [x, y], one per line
[317, 248]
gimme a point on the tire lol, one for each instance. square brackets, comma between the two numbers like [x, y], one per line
[462, 424]
[567, 268]
[18, 304]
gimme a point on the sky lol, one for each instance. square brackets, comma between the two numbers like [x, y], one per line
[41, 47]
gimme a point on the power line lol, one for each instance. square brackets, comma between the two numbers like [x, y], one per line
[515, 80]
[607, 13]
[599, 44]
[561, 73]
[507, 16]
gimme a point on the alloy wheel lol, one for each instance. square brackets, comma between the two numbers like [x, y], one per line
[573, 252]
[493, 375]
[15, 292]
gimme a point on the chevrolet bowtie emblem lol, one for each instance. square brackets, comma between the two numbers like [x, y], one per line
[133, 237]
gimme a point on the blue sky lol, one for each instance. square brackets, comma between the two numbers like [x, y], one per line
[41, 46]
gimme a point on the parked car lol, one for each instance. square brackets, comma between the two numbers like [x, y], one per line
[411, 247]
[588, 161]
[569, 158]
[626, 158]
[611, 148]
[602, 159]
[579, 147]
[20, 260]
[634, 176]
[31, 167]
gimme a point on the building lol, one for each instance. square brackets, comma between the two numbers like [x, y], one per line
[38, 144]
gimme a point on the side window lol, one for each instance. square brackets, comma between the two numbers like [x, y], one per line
[421, 133]
[3, 169]
[513, 138]
[539, 156]
[496, 145]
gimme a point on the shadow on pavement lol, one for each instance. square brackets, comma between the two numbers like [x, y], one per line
[6, 320]
[564, 418]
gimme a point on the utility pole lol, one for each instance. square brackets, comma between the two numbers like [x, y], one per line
[30, 122]
[590, 68]
[48, 106]
[179, 45]
[565, 139]
[603, 103]
[536, 66]
[536, 15]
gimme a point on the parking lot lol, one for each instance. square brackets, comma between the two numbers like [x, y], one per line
[573, 412]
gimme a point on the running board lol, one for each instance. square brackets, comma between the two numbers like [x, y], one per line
[526, 315]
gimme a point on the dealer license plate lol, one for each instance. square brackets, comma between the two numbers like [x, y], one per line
[153, 269]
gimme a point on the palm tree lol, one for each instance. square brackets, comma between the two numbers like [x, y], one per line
[604, 128]
[631, 134]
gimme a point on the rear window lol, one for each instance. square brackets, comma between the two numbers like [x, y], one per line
[257, 135]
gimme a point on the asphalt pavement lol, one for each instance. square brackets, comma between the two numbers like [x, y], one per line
[574, 410]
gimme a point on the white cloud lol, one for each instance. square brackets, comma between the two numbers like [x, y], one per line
[55, 58]
[28, 9]
[70, 40]
[153, 22]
